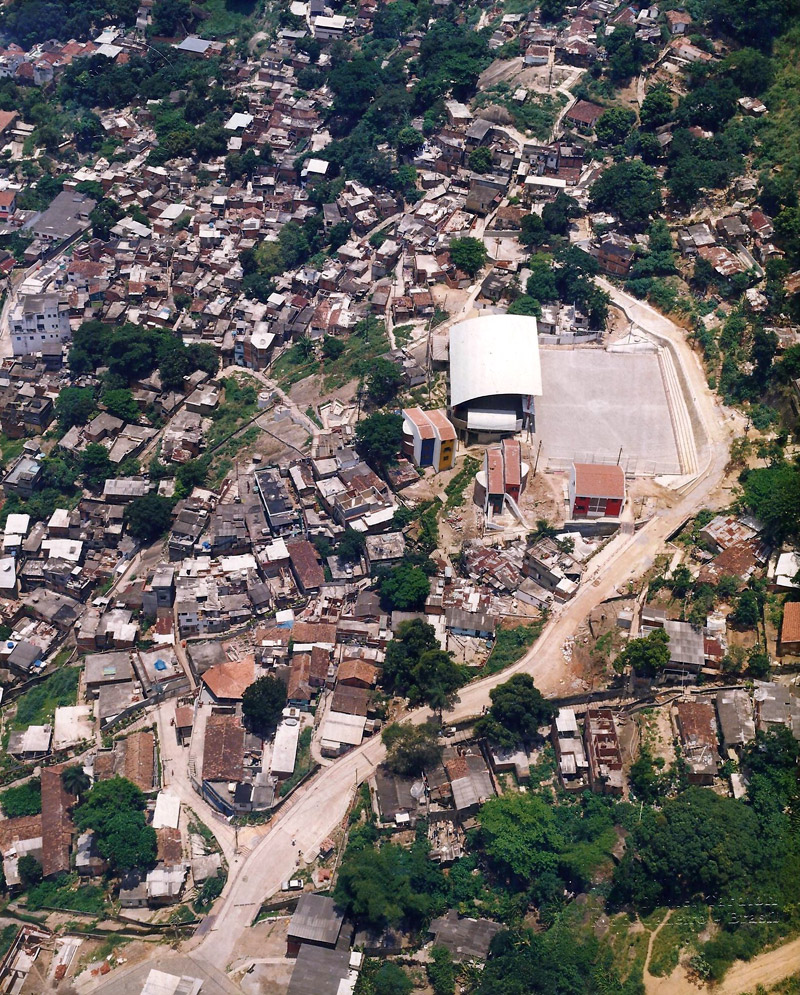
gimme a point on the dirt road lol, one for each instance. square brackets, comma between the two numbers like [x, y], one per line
[767, 970]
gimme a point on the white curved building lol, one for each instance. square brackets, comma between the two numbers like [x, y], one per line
[495, 374]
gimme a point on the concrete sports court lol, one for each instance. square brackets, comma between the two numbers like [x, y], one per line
[594, 402]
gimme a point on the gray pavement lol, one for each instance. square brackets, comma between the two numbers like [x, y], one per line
[596, 402]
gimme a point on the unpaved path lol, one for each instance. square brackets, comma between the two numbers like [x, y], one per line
[766, 969]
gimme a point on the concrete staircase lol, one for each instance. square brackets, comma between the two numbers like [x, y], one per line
[679, 413]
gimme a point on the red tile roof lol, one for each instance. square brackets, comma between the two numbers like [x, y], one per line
[228, 680]
[57, 826]
[599, 480]
[223, 750]
[790, 629]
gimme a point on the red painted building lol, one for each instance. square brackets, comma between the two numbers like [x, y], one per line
[596, 490]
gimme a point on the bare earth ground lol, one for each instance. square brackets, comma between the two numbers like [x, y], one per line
[766, 969]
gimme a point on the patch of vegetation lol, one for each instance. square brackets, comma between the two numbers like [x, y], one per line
[459, 483]
[225, 18]
[363, 346]
[7, 936]
[683, 928]
[67, 891]
[536, 116]
[37, 706]
[239, 404]
[303, 764]
[509, 646]
[25, 799]
[402, 335]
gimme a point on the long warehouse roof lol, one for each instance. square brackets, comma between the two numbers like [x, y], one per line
[498, 354]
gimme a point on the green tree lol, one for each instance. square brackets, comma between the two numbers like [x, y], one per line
[758, 664]
[406, 588]
[750, 70]
[626, 53]
[480, 160]
[520, 835]
[557, 214]
[337, 237]
[96, 467]
[391, 885]
[173, 365]
[114, 810]
[468, 254]
[646, 656]
[532, 231]
[190, 475]
[646, 781]
[748, 609]
[403, 653]
[75, 780]
[384, 380]
[541, 283]
[262, 703]
[517, 710]
[656, 108]
[409, 141]
[552, 11]
[351, 545]
[74, 406]
[104, 217]
[525, 305]
[379, 438]
[171, 18]
[629, 189]
[29, 870]
[121, 404]
[773, 495]
[441, 971]
[615, 125]
[411, 749]
[699, 844]
[390, 978]
[332, 348]
[148, 517]
[681, 581]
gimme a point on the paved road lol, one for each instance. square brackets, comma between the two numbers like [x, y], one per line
[322, 804]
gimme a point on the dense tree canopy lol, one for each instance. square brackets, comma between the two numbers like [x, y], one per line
[74, 406]
[390, 886]
[263, 702]
[29, 22]
[646, 656]
[417, 668]
[379, 438]
[517, 710]
[700, 844]
[615, 125]
[148, 517]
[468, 254]
[131, 352]
[629, 189]
[772, 494]
[114, 809]
[411, 748]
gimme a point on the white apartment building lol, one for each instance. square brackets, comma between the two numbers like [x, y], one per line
[37, 320]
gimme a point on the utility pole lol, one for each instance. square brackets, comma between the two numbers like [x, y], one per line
[536, 464]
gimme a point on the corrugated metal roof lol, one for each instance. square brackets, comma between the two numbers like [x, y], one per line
[317, 920]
